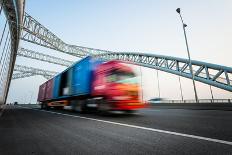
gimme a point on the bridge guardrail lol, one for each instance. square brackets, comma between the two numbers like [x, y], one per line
[193, 101]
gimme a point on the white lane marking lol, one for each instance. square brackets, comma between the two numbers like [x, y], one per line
[143, 128]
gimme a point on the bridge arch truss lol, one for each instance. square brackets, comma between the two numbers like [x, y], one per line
[211, 74]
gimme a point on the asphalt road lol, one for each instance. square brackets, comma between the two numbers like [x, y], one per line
[150, 131]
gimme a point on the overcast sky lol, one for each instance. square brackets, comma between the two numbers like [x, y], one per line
[150, 26]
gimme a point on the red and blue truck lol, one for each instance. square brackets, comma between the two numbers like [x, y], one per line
[93, 84]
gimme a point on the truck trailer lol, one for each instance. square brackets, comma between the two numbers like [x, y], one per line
[93, 84]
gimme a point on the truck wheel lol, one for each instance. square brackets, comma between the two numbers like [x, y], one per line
[79, 106]
[83, 107]
[47, 107]
[103, 107]
[42, 106]
[76, 107]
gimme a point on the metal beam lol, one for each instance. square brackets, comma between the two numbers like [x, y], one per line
[32, 71]
[24, 75]
[21, 75]
[147, 60]
[36, 33]
[43, 57]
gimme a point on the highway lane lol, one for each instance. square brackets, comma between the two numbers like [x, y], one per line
[26, 131]
[208, 123]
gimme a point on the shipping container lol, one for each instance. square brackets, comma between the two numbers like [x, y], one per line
[74, 81]
[83, 76]
[42, 92]
[49, 89]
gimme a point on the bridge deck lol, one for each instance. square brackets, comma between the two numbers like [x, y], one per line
[31, 131]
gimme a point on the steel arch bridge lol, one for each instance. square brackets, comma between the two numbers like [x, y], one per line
[34, 32]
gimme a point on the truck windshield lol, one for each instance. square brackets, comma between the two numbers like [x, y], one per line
[122, 77]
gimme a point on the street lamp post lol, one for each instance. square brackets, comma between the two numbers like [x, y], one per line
[190, 62]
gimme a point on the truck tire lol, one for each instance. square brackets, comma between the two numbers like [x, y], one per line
[75, 107]
[42, 106]
[130, 111]
[79, 106]
[103, 107]
[83, 107]
[47, 107]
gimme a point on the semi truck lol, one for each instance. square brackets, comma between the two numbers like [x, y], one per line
[93, 84]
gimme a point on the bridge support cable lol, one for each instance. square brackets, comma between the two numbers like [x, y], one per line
[43, 57]
[211, 92]
[6, 70]
[157, 75]
[4, 67]
[36, 33]
[211, 74]
[3, 63]
[3, 32]
[33, 71]
[5, 59]
[4, 47]
[181, 91]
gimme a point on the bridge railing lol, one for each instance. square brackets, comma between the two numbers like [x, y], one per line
[11, 13]
[193, 101]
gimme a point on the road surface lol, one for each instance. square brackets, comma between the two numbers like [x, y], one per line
[30, 130]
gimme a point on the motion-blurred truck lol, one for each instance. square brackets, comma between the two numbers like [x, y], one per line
[93, 84]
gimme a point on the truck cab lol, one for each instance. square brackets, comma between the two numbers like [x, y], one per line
[117, 84]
